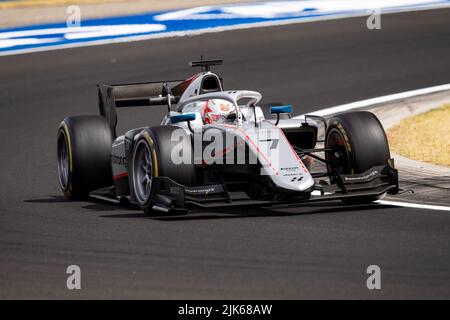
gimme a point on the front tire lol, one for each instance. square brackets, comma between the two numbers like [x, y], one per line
[359, 143]
[83, 155]
[152, 157]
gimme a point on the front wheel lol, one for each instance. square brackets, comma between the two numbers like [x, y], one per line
[152, 157]
[358, 143]
[143, 171]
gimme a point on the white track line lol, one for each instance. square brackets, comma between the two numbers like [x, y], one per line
[379, 100]
[384, 99]
[413, 205]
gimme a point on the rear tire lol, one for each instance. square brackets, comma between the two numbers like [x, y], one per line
[83, 155]
[359, 143]
[152, 157]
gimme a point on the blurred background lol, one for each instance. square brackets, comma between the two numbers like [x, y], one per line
[22, 12]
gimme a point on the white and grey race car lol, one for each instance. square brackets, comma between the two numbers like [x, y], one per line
[244, 159]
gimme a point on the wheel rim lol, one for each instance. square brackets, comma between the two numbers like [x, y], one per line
[338, 158]
[63, 160]
[142, 172]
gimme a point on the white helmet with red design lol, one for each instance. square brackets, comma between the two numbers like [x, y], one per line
[217, 110]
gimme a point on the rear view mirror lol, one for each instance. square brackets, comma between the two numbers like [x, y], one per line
[182, 117]
[281, 109]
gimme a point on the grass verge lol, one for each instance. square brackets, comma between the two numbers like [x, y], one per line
[41, 3]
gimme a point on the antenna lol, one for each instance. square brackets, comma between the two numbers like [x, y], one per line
[206, 64]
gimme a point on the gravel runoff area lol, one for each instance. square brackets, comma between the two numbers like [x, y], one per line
[430, 182]
[424, 137]
[55, 10]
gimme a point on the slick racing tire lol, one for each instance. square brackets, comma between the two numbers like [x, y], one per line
[152, 157]
[359, 143]
[83, 155]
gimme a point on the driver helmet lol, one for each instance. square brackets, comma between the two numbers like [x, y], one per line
[217, 110]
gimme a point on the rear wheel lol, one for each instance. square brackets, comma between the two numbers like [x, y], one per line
[359, 143]
[83, 155]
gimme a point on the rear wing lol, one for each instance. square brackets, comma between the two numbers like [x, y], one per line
[160, 93]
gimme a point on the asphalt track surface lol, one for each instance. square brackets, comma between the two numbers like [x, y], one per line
[317, 251]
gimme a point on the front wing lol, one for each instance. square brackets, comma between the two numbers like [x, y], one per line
[170, 196]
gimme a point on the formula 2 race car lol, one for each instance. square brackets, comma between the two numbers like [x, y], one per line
[215, 148]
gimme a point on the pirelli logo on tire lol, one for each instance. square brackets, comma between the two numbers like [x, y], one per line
[68, 189]
[152, 146]
[344, 135]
